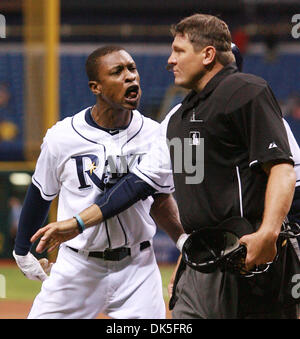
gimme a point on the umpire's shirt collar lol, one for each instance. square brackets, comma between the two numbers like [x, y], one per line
[193, 97]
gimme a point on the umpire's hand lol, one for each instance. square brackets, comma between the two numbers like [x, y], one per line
[32, 268]
[261, 248]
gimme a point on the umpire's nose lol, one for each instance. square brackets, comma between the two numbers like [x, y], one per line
[171, 62]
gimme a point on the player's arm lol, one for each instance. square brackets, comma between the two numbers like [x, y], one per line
[172, 279]
[34, 212]
[44, 188]
[124, 194]
[121, 196]
[165, 213]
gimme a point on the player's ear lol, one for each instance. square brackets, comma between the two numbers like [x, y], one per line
[95, 87]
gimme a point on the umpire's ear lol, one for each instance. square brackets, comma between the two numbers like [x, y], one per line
[95, 87]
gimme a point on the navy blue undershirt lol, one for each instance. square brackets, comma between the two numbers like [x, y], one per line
[34, 213]
[123, 194]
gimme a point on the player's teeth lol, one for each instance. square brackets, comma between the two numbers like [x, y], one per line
[132, 95]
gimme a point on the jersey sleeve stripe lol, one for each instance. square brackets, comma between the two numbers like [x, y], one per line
[161, 186]
[41, 188]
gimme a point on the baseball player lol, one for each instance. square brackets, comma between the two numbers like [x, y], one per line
[110, 268]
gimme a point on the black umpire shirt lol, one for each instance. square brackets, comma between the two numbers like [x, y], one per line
[240, 122]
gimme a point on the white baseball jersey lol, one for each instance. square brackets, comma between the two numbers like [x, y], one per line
[156, 168]
[295, 151]
[79, 160]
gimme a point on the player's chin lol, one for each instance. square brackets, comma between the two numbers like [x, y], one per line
[131, 103]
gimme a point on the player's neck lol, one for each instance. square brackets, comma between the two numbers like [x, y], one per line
[108, 118]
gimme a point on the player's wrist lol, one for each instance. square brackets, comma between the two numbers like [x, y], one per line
[21, 251]
[80, 223]
[181, 240]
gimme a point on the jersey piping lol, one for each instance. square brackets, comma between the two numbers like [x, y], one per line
[41, 188]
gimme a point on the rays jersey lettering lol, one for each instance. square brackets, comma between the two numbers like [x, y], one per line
[115, 167]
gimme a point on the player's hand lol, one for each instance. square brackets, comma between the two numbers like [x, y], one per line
[54, 234]
[170, 287]
[261, 248]
[32, 268]
[46, 265]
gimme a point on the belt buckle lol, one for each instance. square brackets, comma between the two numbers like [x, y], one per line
[84, 253]
[115, 254]
[108, 254]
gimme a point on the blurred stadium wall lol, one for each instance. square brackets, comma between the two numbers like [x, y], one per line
[42, 74]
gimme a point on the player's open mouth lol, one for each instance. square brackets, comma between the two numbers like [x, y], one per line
[132, 93]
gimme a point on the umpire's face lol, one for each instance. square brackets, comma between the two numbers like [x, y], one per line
[188, 65]
[119, 81]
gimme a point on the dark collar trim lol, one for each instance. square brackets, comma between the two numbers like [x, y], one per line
[112, 131]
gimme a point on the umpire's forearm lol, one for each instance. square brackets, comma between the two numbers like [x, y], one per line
[278, 198]
[165, 213]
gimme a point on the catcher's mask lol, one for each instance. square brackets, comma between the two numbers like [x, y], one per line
[210, 248]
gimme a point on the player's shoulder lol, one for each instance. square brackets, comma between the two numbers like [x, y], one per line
[147, 122]
[172, 111]
[165, 122]
[62, 128]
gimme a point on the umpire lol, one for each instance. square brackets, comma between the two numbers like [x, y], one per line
[248, 169]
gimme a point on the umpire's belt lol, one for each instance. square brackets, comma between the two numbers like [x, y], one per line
[112, 254]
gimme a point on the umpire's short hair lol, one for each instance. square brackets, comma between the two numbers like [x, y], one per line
[93, 60]
[207, 30]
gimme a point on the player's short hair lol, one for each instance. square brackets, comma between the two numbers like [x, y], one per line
[207, 30]
[93, 60]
